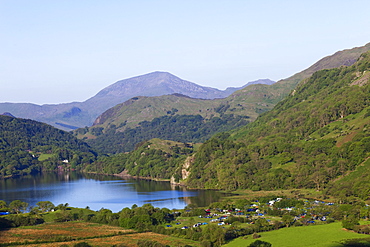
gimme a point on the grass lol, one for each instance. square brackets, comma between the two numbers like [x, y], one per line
[328, 235]
[43, 157]
[70, 233]
[291, 193]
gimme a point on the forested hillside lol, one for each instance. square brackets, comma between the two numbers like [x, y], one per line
[180, 128]
[27, 146]
[316, 136]
[154, 159]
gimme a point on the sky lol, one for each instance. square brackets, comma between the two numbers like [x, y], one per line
[68, 50]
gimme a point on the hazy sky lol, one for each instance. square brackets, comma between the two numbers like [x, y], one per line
[54, 51]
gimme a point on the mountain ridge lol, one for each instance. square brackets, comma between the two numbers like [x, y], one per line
[68, 116]
[249, 101]
[311, 139]
[317, 138]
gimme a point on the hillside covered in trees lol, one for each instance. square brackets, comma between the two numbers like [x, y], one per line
[154, 159]
[180, 128]
[28, 146]
[318, 137]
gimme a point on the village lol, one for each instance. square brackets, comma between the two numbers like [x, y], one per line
[277, 213]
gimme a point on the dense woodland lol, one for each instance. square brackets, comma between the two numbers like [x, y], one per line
[27, 146]
[180, 128]
[146, 161]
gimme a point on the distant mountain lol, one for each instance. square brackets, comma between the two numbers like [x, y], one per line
[260, 81]
[80, 114]
[7, 114]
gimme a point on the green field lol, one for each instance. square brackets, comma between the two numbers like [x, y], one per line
[45, 156]
[320, 236]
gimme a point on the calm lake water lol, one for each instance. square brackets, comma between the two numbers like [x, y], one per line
[100, 191]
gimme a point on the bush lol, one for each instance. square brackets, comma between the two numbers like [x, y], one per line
[260, 243]
[206, 243]
[149, 243]
[350, 223]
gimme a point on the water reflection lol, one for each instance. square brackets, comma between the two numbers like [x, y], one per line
[100, 191]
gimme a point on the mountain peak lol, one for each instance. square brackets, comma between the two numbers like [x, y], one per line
[159, 83]
[7, 114]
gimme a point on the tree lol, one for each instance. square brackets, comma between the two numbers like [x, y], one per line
[18, 206]
[45, 206]
[3, 205]
[260, 243]
[288, 220]
[350, 222]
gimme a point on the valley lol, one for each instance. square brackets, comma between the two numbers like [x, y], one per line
[296, 150]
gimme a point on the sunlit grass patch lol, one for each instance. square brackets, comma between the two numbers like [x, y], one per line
[328, 235]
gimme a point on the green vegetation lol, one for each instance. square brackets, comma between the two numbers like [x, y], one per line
[317, 135]
[243, 222]
[27, 146]
[180, 128]
[156, 159]
[328, 235]
[317, 138]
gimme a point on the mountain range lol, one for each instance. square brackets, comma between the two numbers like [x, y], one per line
[316, 138]
[74, 115]
[120, 122]
[69, 116]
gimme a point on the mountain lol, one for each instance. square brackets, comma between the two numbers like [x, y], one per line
[265, 97]
[28, 146]
[260, 81]
[7, 114]
[74, 115]
[123, 120]
[318, 137]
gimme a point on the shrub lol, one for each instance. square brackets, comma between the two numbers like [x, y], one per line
[260, 243]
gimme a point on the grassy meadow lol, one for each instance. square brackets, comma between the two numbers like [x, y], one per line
[328, 235]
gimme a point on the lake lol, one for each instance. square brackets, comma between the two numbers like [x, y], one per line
[101, 191]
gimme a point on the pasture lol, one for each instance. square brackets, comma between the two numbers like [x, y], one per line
[328, 235]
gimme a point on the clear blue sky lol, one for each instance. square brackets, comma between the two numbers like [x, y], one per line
[54, 51]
